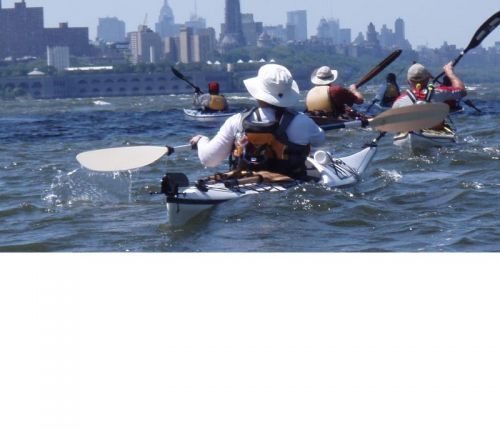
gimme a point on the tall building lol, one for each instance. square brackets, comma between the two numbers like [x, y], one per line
[399, 31]
[166, 26]
[400, 36]
[386, 37]
[58, 57]
[191, 46]
[146, 46]
[111, 30]
[251, 29]
[297, 23]
[232, 34]
[203, 45]
[329, 30]
[171, 48]
[276, 33]
[345, 36]
[21, 31]
[197, 23]
[75, 38]
[185, 52]
[372, 35]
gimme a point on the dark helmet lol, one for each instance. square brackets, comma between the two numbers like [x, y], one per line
[213, 87]
[391, 77]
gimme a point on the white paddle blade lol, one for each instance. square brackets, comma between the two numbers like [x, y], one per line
[120, 159]
[409, 118]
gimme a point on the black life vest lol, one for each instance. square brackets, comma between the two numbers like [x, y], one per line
[391, 94]
[268, 146]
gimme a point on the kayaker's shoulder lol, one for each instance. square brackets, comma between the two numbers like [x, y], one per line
[302, 118]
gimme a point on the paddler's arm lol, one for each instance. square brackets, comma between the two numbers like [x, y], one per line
[201, 100]
[456, 82]
[304, 131]
[215, 151]
[360, 99]
[457, 90]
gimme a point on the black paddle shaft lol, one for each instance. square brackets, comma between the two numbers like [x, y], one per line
[482, 32]
[181, 76]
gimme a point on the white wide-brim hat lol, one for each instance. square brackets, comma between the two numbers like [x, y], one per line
[274, 84]
[324, 75]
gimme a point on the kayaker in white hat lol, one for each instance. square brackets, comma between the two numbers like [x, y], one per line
[329, 99]
[422, 89]
[272, 136]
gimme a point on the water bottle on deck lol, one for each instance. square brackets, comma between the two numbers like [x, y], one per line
[240, 142]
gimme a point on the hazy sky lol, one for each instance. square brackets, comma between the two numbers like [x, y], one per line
[456, 25]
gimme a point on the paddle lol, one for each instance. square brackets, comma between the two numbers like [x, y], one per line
[399, 120]
[375, 100]
[379, 67]
[473, 106]
[181, 76]
[482, 32]
[403, 119]
[125, 158]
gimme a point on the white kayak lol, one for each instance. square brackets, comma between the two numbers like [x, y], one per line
[184, 201]
[201, 115]
[425, 140]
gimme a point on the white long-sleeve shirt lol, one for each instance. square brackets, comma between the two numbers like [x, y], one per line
[301, 131]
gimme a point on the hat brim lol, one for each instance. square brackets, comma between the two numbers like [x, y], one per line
[419, 78]
[318, 81]
[290, 98]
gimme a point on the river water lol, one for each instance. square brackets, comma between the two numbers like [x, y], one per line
[445, 201]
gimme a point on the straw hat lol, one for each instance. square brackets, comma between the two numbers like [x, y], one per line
[274, 84]
[324, 75]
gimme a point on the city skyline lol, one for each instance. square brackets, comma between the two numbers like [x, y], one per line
[459, 33]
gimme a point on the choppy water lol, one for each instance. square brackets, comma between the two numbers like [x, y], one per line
[447, 201]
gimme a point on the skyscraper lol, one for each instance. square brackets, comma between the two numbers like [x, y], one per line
[329, 30]
[297, 21]
[21, 31]
[372, 35]
[232, 35]
[76, 38]
[166, 26]
[399, 30]
[399, 35]
[251, 29]
[145, 45]
[111, 30]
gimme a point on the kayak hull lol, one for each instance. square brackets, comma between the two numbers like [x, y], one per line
[426, 139]
[199, 115]
[187, 201]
